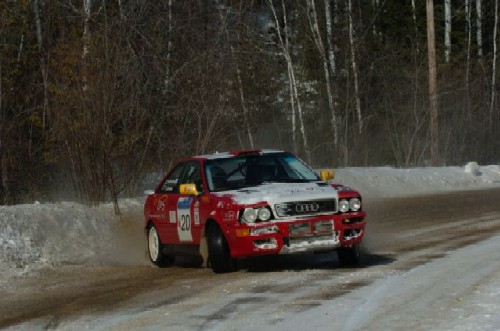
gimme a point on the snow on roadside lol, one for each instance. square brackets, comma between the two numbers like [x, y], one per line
[391, 182]
[33, 236]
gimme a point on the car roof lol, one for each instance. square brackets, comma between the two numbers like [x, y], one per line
[235, 153]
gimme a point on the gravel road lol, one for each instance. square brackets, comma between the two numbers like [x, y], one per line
[415, 275]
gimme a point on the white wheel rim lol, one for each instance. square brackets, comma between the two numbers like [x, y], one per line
[154, 244]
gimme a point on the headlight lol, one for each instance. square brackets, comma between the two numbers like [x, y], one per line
[343, 206]
[355, 204]
[264, 214]
[250, 215]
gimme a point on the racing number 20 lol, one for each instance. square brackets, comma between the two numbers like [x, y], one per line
[184, 219]
[185, 223]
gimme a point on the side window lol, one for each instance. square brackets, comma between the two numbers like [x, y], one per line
[192, 175]
[171, 184]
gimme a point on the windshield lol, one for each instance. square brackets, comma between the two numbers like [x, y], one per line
[251, 170]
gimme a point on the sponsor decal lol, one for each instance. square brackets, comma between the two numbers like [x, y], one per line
[229, 215]
[196, 212]
[161, 204]
[172, 217]
[184, 219]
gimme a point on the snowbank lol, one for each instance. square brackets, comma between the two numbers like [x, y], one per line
[391, 182]
[40, 235]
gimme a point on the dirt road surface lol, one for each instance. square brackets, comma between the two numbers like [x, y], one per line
[424, 256]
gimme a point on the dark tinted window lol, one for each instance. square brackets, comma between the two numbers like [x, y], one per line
[171, 184]
[250, 170]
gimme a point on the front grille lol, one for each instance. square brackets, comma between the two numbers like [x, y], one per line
[304, 208]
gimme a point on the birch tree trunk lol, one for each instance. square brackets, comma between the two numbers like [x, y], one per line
[43, 66]
[494, 68]
[329, 37]
[4, 171]
[447, 30]
[354, 66]
[294, 95]
[375, 4]
[169, 47]
[313, 21]
[330, 44]
[467, 53]
[479, 33]
[433, 102]
[414, 14]
[240, 81]
[87, 4]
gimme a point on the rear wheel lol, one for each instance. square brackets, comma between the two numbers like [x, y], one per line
[349, 256]
[155, 249]
[218, 251]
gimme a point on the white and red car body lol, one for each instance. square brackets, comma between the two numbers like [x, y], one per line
[305, 216]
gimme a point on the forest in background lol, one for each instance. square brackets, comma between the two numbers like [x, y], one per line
[96, 94]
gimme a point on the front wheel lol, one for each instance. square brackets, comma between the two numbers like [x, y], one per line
[349, 256]
[218, 251]
[155, 249]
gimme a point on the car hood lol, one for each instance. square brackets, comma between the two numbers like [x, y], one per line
[282, 192]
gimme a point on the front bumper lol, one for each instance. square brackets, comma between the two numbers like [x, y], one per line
[319, 233]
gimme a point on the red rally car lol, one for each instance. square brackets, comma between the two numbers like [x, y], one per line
[228, 206]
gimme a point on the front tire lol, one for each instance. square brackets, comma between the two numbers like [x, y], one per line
[349, 256]
[218, 251]
[155, 249]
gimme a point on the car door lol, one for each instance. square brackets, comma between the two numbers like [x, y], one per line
[183, 209]
[165, 198]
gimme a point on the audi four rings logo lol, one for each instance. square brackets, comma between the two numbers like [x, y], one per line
[306, 207]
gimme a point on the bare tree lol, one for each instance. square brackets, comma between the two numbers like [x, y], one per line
[447, 30]
[494, 67]
[329, 37]
[479, 33]
[243, 101]
[43, 62]
[313, 21]
[352, 43]
[414, 16]
[170, 46]
[87, 7]
[4, 170]
[433, 98]
[284, 44]
[467, 52]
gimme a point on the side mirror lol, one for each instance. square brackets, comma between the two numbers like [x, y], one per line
[188, 189]
[327, 174]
